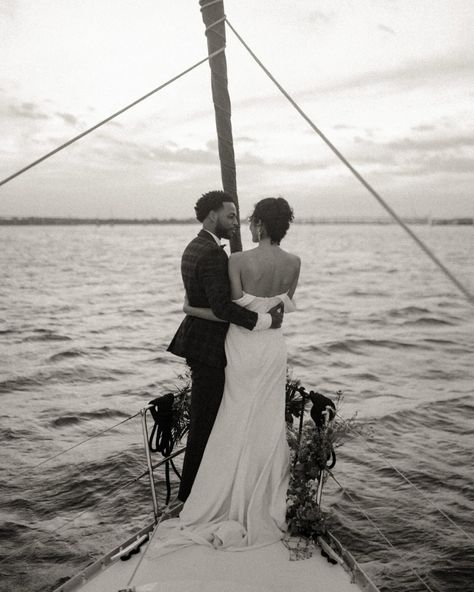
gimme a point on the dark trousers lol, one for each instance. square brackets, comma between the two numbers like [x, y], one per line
[207, 387]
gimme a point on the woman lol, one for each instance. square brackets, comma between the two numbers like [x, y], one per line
[238, 499]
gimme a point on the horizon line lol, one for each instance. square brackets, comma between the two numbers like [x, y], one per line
[69, 220]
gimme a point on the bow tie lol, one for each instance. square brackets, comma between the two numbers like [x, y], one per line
[223, 246]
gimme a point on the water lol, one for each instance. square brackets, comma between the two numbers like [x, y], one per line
[87, 313]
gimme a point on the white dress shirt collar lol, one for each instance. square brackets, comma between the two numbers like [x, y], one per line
[214, 237]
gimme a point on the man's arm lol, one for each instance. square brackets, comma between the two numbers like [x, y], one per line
[214, 277]
[199, 312]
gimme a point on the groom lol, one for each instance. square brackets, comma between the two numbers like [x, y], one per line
[201, 342]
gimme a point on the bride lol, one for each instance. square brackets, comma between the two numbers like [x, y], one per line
[238, 499]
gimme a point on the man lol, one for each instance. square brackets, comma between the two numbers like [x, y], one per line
[201, 342]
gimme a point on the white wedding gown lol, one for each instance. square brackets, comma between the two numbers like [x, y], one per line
[238, 500]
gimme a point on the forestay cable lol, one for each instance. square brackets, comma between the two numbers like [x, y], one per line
[410, 482]
[425, 248]
[166, 512]
[104, 121]
[96, 435]
[362, 511]
[68, 521]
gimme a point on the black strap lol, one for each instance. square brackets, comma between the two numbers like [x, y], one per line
[320, 405]
[161, 438]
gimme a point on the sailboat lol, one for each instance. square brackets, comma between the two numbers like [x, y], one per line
[198, 567]
[132, 565]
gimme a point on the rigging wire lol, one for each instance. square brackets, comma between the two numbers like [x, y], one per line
[96, 435]
[68, 521]
[362, 511]
[450, 276]
[410, 482]
[420, 243]
[212, 25]
[165, 513]
[142, 555]
[211, 3]
[107, 119]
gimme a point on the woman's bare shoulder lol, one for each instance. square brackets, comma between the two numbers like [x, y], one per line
[236, 255]
[242, 256]
[292, 259]
[238, 258]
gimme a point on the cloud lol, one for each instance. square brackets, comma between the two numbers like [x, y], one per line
[319, 16]
[457, 142]
[68, 118]
[416, 156]
[304, 165]
[438, 164]
[243, 139]
[423, 128]
[26, 110]
[386, 29]
[409, 75]
[212, 145]
[249, 159]
[129, 152]
[8, 8]
[115, 150]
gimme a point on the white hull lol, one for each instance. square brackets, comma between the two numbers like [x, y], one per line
[207, 570]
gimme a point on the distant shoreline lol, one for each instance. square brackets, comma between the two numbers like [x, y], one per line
[50, 221]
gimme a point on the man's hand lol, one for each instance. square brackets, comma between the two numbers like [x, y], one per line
[277, 315]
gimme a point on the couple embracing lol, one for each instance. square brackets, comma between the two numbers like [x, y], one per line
[236, 467]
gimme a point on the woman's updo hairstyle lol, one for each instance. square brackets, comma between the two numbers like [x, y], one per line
[275, 213]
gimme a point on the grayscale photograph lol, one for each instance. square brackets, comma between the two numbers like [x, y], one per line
[236, 296]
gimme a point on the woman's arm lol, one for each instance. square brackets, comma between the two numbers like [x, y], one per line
[294, 283]
[201, 313]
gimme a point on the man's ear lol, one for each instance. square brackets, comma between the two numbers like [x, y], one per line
[212, 215]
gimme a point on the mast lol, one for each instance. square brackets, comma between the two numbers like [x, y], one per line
[213, 12]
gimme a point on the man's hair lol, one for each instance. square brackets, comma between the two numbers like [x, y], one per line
[212, 200]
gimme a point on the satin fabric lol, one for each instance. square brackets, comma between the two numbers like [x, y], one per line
[238, 500]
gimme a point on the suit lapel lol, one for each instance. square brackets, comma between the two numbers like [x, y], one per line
[207, 237]
[204, 234]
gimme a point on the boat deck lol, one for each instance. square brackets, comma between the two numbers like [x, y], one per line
[202, 569]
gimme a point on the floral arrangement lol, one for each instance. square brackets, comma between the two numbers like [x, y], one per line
[181, 404]
[312, 446]
[312, 453]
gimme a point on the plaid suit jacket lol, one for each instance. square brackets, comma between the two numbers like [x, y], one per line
[206, 281]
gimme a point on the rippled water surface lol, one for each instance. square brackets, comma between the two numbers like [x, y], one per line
[86, 315]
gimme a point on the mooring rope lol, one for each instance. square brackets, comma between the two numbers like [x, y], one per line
[420, 243]
[362, 511]
[107, 119]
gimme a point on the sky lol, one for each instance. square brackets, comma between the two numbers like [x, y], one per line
[390, 82]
